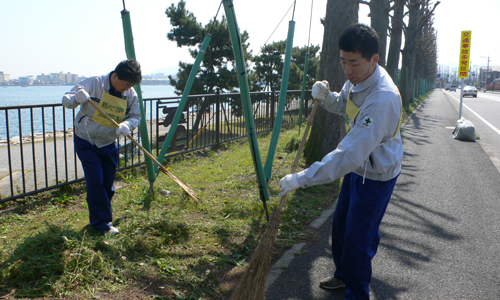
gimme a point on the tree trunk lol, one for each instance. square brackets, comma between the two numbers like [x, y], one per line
[408, 68]
[396, 39]
[379, 13]
[328, 129]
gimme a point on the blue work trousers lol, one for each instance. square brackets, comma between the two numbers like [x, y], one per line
[355, 235]
[99, 166]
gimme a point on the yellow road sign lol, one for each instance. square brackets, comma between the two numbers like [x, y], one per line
[463, 63]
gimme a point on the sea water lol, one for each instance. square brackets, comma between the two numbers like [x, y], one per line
[32, 95]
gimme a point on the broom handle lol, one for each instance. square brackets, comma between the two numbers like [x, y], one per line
[160, 166]
[301, 148]
[304, 137]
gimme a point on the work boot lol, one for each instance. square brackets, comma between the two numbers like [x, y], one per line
[112, 231]
[331, 283]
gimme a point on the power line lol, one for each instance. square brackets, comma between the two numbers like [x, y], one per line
[293, 5]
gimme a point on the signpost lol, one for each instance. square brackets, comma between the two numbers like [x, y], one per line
[463, 64]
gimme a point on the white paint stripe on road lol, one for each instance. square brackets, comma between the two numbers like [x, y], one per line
[477, 115]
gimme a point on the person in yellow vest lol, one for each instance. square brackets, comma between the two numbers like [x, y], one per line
[95, 137]
[368, 157]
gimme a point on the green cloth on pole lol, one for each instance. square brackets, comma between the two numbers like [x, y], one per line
[303, 93]
[281, 104]
[245, 99]
[414, 84]
[130, 50]
[184, 99]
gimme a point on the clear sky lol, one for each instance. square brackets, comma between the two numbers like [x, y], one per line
[86, 37]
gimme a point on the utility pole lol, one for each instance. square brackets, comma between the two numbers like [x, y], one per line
[487, 70]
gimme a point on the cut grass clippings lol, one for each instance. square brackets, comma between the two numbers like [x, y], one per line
[169, 246]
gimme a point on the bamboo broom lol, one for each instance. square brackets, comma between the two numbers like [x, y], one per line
[160, 166]
[252, 285]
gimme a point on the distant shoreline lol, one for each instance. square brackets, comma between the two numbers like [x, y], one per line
[49, 135]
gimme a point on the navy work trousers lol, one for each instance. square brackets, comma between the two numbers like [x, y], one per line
[355, 235]
[99, 166]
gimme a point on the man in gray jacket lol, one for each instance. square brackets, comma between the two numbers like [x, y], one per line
[95, 138]
[369, 158]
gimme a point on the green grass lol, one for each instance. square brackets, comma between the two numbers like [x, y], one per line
[169, 246]
[417, 101]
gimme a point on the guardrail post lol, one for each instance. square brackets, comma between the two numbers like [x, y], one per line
[217, 118]
[157, 126]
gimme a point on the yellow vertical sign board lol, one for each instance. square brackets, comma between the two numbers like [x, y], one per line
[463, 65]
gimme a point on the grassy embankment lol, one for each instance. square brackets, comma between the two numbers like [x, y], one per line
[169, 247]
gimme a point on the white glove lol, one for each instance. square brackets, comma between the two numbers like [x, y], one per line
[123, 130]
[320, 90]
[81, 96]
[288, 184]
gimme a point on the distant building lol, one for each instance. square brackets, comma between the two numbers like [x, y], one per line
[65, 78]
[43, 79]
[488, 75]
[26, 80]
[81, 78]
[4, 77]
[71, 78]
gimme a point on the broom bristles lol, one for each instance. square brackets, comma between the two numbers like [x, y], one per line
[252, 285]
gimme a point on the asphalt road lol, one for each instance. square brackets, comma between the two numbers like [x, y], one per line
[484, 112]
[440, 235]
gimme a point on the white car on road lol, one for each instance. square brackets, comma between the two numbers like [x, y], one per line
[470, 91]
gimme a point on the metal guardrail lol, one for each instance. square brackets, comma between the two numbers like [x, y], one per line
[35, 162]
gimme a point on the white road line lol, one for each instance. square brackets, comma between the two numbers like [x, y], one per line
[477, 115]
[489, 97]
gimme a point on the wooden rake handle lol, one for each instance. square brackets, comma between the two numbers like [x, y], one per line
[301, 148]
[304, 137]
[160, 166]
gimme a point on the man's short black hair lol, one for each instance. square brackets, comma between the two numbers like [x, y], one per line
[129, 70]
[359, 38]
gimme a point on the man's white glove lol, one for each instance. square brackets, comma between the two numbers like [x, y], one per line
[123, 130]
[320, 90]
[288, 184]
[81, 96]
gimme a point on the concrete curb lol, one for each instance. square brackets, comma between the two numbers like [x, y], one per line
[283, 263]
[289, 255]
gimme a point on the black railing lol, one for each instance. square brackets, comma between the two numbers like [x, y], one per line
[35, 162]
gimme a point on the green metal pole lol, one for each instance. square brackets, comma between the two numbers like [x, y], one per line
[281, 104]
[414, 84]
[184, 99]
[245, 99]
[303, 93]
[130, 51]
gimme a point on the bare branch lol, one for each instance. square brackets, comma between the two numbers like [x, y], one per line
[427, 15]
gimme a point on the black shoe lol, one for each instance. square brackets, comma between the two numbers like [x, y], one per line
[331, 283]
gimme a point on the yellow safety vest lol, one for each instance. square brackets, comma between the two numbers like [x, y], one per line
[352, 111]
[114, 107]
